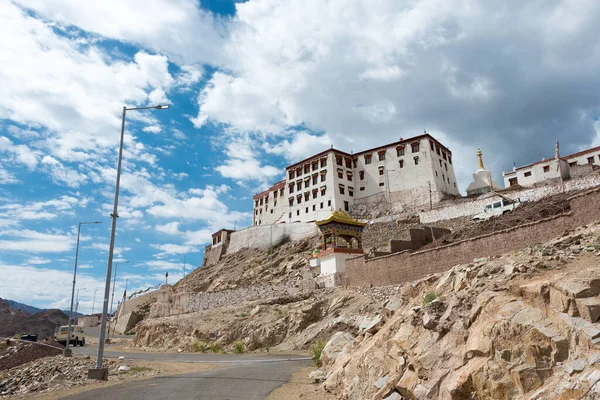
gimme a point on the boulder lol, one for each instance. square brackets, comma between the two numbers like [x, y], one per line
[335, 346]
[526, 379]
[318, 375]
[589, 308]
[371, 325]
[430, 320]
[390, 306]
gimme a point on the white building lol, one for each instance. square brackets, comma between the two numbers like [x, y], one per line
[418, 170]
[540, 171]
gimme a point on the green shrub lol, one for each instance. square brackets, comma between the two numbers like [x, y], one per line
[199, 346]
[216, 348]
[244, 314]
[238, 347]
[429, 297]
[315, 351]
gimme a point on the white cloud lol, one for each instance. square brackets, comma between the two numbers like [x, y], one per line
[21, 153]
[38, 260]
[163, 265]
[63, 174]
[302, 145]
[172, 228]
[170, 249]
[152, 129]
[247, 170]
[35, 242]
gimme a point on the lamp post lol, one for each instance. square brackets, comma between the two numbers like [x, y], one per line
[113, 292]
[94, 301]
[77, 301]
[387, 184]
[67, 351]
[99, 372]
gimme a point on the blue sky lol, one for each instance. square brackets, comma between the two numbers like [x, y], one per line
[253, 86]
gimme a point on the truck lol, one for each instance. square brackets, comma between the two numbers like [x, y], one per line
[497, 208]
[76, 339]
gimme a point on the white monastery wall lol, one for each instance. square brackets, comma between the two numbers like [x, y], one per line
[259, 237]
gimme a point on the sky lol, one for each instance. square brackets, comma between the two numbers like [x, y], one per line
[252, 87]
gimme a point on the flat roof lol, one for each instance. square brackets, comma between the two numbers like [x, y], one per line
[563, 158]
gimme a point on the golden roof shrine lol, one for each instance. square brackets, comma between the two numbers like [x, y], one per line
[341, 225]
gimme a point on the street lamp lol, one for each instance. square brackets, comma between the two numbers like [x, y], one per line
[77, 301]
[113, 292]
[94, 301]
[67, 351]
[99, 372]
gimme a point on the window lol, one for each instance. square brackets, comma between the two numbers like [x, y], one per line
[323, 162]
[267, 199]
[362, 189]
[437, 150]
[444, 155]
[306, 210]
[349, 176]
[361, 175]
[261, 201]
[298, 171]
[380, 183]
[436, 174]
[440, 163]
[497, 205]
[380, 170]
[255, 203]
[306, 196]
[350, 192]
[299, 185]
[322, 177]
[338, 160]
[290, 215]
[315, 179]
[291, 199]
[449, 159]
[314, 207]
[323, 190]
[275, 194]
[354, 163]
[400, 151]
[416, 160]
[299, 198]
[513, 182]
[431, 144]
[446, 166]
[401, 163]
[291, 187]
[341, 174]
[572, 164]
[297, 212]
[448, 181]
[255, 212]
[528, 173]
[315, 192]
[321, 205]
[547, 168]
[274, 203]
[306, 183]
[368, 159]
[348, 162]
[414, 147]
[590, 160]
[342, 190]
[306, 169]
[271, 211]
[328, 203]
[443, 177]
[291, 174]
[346, 206]
[315, 165]
[381, 155]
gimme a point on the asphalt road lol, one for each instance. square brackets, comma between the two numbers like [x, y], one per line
[248, 381]
[244, 376]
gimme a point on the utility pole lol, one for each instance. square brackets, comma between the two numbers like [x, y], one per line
[184, 264]
[271, 255]
[94, 301]
[430, 200]
[387, 184]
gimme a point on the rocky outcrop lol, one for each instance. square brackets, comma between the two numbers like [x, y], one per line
[520, 326]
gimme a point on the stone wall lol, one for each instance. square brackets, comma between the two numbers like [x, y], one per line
[259, 237]
[404, 267]
[170, 302]
[137, 303]
[468, 207]
[213, 254]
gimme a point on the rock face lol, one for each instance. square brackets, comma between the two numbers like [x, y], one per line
[528, 331]
[336, 345]
[43, 324]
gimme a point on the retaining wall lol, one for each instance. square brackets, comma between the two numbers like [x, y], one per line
[259, 237]
[404, 267]
[136, 303]
[468, 207]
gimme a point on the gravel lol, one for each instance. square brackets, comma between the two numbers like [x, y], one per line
[24, 352]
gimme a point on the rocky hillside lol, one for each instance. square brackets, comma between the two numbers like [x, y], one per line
[521, 326]
[252, 266]
[43, 323]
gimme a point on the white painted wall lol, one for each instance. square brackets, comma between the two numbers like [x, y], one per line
[259, 237]
[334, 263]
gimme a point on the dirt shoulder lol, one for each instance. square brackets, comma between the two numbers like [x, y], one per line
[300, 387]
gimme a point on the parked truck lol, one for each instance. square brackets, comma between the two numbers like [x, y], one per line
[497, 208]
[77, 338]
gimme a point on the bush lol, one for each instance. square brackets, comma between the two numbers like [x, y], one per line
[199, 346]
[315, 351]
[216, 348]
[238, 347]
[429, 297]
[244, 315]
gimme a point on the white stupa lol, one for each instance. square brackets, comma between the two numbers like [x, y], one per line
[482, 179]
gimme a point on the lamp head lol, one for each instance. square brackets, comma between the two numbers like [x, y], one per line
[162, 107]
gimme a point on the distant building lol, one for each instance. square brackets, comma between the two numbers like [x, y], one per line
[418, 171]
[553, 168]
[482, 179]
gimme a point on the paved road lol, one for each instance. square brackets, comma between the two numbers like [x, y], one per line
[244, 376]
[250, 381]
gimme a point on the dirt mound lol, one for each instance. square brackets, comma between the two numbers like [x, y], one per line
[24, 352]
[43, 324]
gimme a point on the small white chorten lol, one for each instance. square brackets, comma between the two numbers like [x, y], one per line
[482, 179]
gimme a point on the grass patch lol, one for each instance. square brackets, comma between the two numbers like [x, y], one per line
[315, 351]
[216, 348]
[429, 297]
[244, 314]
[199, 346]
[238, 347]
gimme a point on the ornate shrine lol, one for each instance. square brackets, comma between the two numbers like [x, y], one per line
[340, 225]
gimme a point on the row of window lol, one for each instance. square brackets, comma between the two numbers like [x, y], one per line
[314, 165]
[307, 181]
[260, 202]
